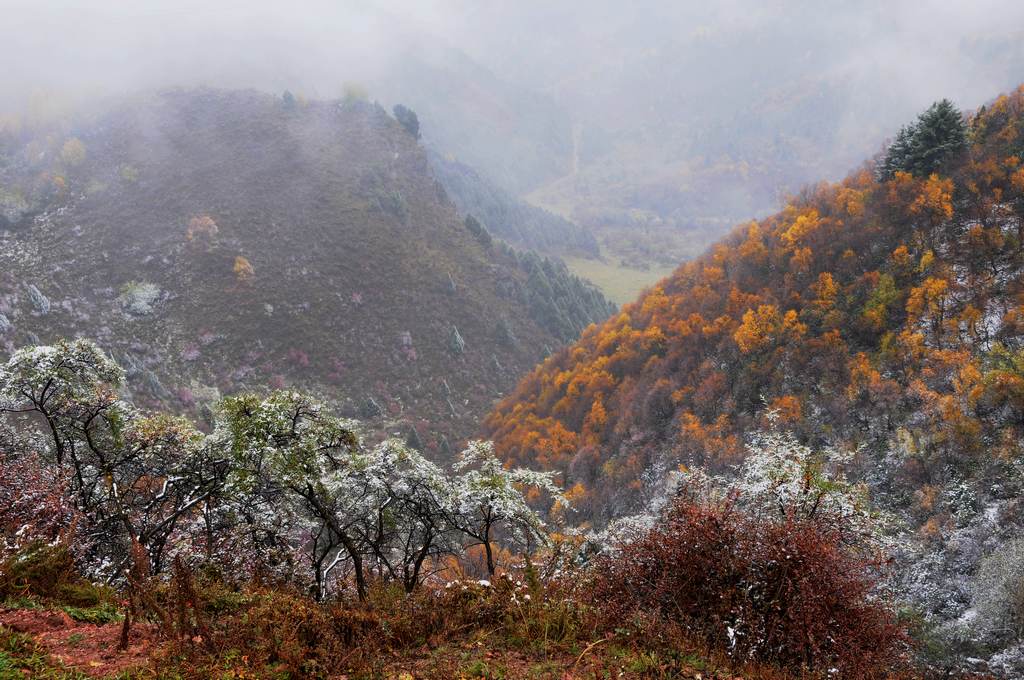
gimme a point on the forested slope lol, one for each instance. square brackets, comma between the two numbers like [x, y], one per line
[884, 310]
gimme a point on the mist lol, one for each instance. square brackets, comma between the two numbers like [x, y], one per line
[580, 54]
[685, 116]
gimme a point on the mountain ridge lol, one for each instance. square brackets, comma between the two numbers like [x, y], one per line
[224, 240]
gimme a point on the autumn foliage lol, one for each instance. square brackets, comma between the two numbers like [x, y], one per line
[866, 311]
[783, 591]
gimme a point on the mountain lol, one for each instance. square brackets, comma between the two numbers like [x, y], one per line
[216, 241]
[882, 315]
[509, 217]
[667, 153]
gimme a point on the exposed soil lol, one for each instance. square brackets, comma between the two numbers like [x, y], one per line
[89, 648]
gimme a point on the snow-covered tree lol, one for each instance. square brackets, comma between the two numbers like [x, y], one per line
[63, 384]
[781, 475]
[135, 478]
[306, 478]
[489, 498]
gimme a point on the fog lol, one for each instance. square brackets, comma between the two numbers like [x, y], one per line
[580, 53]
[636, 102]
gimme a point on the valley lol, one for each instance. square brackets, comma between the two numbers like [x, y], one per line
[449, 340]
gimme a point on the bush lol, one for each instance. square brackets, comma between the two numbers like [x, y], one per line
[38, 570]
[782, 591]
[999, 592]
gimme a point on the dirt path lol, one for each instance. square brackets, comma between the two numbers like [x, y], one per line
[89, 648]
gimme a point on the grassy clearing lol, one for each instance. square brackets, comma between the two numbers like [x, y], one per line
[618, 283]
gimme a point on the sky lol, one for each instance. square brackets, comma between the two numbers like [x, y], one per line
[103, 45]
[645, 68]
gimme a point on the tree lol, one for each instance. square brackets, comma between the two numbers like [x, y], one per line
[479, 231]
[408, 119]
[243, 269]
[488, 498]
[202, 227]
[59, 383]
[72, 154]
[897, 155]
[134, 477]
[307, 477]
[924, 146]
[289, 470]
[940, 133]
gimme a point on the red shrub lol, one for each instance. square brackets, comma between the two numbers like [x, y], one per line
[34, 504]
[786, 592]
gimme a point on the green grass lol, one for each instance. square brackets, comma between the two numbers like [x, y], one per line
[105, 612]
[21, 658]
[619, 284]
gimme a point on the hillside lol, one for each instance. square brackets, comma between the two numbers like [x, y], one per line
[216, 241]
[527, 137]
[510, 218]
[668, 154]
[881, 315]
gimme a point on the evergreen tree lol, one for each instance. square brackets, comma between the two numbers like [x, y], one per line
[939, 134]
[479, 231]
[922, 147]
[409, 120]
[897, 154]
[413, 440]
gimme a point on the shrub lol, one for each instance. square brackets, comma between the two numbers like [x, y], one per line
[38, 570]
[784, 591]
[138, 297]
[34, 504]
[999, 592]
[201, 227]
[243, 269]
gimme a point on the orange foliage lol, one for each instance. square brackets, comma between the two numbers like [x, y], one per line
[857, 306]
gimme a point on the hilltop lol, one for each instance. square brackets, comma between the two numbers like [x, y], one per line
[881, 316]
[216, 241]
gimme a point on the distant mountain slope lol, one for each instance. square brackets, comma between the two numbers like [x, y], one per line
[509, 217]
[884, 316]
[864, 307]
[520, 138]
[222, 240]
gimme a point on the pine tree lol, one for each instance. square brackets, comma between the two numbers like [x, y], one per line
[896, 156]
[923, 146]
[408, 119]
[413, 440]
[939, 134]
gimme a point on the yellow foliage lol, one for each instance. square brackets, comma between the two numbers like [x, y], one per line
[935, 199]
[758, 328]
[901, 256]
[243, 269]
[806, 223]
[927, 297]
